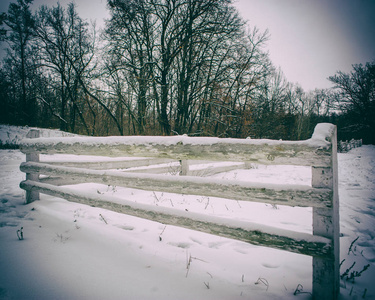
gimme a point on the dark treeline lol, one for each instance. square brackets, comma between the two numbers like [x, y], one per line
[162, 67]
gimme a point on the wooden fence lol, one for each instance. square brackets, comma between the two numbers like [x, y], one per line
[319, 152]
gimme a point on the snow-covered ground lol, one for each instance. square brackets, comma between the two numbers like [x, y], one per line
[74, 251]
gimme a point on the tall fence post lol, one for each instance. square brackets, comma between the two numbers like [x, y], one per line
[326, 270]
[32, 157]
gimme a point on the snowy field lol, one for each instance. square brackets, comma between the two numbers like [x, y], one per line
[74, 251]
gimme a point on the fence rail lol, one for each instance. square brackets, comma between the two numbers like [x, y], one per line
[319, 152]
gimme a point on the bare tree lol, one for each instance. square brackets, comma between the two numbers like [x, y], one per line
[130, 54]
[3, 31]
[187, 63]
[66, 51]
[20, 23]
[357, 100]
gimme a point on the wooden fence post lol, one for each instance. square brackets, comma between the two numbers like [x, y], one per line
[326, 270]
[184, 167]
[33, 157]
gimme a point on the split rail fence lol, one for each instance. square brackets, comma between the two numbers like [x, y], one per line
[319, 152]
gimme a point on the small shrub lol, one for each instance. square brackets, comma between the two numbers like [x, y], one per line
[8, 146]
[20, 234]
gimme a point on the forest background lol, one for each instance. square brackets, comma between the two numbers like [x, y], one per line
[163, 67]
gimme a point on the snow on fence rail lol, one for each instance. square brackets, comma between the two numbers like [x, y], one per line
[319, 152]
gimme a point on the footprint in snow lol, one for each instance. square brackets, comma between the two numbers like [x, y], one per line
[181, 245]
[270, 265]
[125, 227]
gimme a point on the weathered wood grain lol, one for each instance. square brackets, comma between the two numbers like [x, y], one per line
[306, 243]
[303, 196]
[265, 152]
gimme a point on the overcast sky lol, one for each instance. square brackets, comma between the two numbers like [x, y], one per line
[309, 39]
[312, 39]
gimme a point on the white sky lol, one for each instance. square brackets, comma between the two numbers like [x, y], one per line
[309, 39]
[313, 39]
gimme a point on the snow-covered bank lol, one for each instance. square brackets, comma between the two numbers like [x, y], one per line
[10, 136]
[73, 251]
